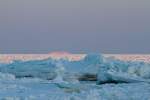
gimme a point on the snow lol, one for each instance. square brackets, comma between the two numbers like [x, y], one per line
[91, 78]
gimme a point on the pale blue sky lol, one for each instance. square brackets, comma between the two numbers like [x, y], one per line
[107, 26]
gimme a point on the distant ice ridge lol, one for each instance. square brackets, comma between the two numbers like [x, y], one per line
[93, 77]
[36, 68]
[93, 67]
[51, 69]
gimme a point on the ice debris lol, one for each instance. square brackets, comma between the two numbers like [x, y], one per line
[85, 69]
[123, 71]
[93, 77]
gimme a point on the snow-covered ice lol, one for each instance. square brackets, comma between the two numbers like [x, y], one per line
[91, 78]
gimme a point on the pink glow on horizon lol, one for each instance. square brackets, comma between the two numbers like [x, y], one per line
[58, 53]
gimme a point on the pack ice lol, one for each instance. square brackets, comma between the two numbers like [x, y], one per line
[91, 78]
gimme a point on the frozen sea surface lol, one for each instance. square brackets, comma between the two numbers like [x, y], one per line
[91, 78]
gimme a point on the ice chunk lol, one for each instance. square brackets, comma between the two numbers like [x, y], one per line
[85, 69]
[36, 68]
[121, 71]
[6, 76]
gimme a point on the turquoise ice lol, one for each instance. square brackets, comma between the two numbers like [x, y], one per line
[91, 78]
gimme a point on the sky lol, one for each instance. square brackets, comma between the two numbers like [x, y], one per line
[77, 26]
